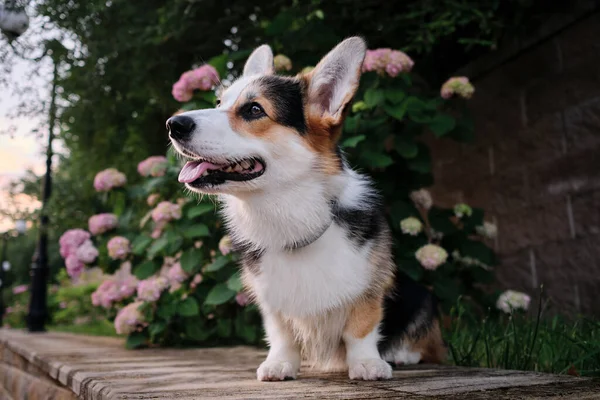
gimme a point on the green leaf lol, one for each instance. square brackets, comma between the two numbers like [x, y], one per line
[373, 97]
[188, 307]
[166, 310]
[412, 268]
[174, 242]
[158, 246]
[140, 243]
[394, 96]
[442, 124]
[353, 141]
[397, 111]
[220, 63]
[478, 250]
[191, 260]
[406, 147]
[216, 265]
[145, 269]
[224, 328]
[135, 340]
[194, 231]
[377, 160]
[219, 294]
[422, 162]
[234, 282]
[195, 330]
[157, 327]
[199, 210]
[446, 289]
[440, 220]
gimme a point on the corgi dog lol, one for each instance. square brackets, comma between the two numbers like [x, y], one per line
[314, 243]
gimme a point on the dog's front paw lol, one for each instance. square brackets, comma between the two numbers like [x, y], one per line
[371, 369]
[276, 371]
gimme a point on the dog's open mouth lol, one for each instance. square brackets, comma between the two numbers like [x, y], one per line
[202, 172]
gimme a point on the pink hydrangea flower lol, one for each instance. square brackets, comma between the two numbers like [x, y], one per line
[196, 281]
[71, 240]
[8, 310]
[20, 289]
[387, 61]
[153, 166]
[177, 274]
[181, 92]
[115, 288]
[129, 319]
[459, 86]
[118, 248]
[225, 245]
[242, 299]
[74, 266]
[422, 199]
[108, 179]
[202, 78]
[87, 252]
[166, 211]
[512, 300]
[282, 63]
[151, 288]
[101, 223]
[431, 256]
[153, 199]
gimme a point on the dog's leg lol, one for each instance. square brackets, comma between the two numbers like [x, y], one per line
[361, 335]
[283, 360]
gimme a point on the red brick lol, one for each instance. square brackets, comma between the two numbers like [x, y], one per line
[539, 62]
[580, 41]
[543, 140]
[564, 265]
[582, 124]
[577, 172]
[574, 86]
[586, 213]
[533, 226]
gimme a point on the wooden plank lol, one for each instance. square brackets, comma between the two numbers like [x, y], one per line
[101, 369]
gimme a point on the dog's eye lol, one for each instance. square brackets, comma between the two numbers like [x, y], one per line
[218, 102]
[253, 111]
[256, 110]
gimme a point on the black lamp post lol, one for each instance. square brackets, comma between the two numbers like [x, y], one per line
[20, 227]
[38, 309]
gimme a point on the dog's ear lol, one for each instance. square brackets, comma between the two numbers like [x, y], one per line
[260, 62]
[334, 80]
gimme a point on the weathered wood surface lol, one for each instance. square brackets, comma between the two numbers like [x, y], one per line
[100, 368]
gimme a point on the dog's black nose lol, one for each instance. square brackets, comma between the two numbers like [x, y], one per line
[180, 127]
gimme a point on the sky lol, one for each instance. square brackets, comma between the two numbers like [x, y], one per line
[24, 149]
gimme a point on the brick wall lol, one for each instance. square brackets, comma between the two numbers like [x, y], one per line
[535, 166]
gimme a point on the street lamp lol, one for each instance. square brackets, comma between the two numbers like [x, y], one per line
[20, 227]
[13, 19]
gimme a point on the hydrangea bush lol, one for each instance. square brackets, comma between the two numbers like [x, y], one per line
[171, 277]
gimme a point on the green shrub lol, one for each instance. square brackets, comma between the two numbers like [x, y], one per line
[175, 281]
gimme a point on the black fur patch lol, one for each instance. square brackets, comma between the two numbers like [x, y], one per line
[361, 224]
[249, 256]
[402, 306]
[286, 95]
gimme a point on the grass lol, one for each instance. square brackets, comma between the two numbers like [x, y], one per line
[97, 328]
[521, 342]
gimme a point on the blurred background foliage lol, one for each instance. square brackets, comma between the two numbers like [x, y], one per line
[115, 82]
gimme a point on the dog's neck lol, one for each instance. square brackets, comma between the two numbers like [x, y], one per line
[287, 217]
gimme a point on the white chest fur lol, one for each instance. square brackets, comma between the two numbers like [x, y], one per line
[318, 278]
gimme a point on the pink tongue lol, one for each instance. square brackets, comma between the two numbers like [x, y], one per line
[193, 170]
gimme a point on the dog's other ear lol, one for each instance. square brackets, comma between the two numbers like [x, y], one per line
[335, 79]
[260, 62]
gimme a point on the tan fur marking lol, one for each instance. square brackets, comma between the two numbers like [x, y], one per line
[431, 346]
[364, 317]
